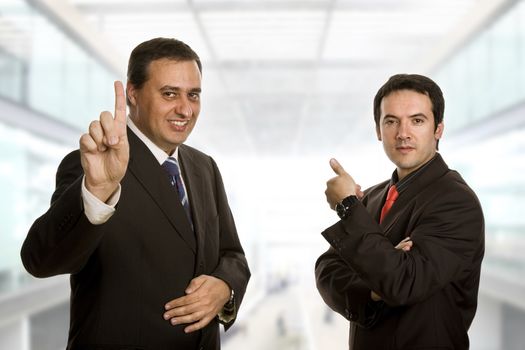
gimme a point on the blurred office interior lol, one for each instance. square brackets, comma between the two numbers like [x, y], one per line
[287, 84]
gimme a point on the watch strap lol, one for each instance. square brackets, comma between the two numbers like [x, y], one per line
[343, 207]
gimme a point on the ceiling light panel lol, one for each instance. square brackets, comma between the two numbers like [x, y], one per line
[123, 2]
[264, 35]
[352, 33]
[125, 31]
[229, 5]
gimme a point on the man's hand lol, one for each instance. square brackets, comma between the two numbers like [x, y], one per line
[205, 297]
[104, 150]
[405, 245]
[341, 186]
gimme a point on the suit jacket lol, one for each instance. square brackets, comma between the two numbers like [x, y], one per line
[124, 271]
[429, 293]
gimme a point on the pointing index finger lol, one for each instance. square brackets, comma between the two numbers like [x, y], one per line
[336, 167]
[120, 102]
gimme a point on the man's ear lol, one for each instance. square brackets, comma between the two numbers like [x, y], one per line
[131, 94]
[439, 131]
[378, 132]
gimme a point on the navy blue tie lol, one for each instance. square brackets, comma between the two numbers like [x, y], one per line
[172, 168]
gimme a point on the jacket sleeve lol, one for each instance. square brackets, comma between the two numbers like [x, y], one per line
[62, 240]
[447, 231]
[344, 291]
[232, 267]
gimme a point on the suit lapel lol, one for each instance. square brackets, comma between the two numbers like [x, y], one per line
[376, 199]
[435, 170]
[194, 181]
[153, 179]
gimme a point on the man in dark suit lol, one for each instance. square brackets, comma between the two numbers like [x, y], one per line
[154, 257]
[405, 258]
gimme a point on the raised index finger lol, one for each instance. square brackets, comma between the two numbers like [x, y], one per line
[120, 103]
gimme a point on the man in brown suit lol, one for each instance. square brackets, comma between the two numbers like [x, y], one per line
[141, 221]
[405, 258]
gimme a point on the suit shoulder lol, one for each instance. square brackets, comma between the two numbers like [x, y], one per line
[73, 156]
[452, 191]
[454, 182]
[197, 156]
[194, 152]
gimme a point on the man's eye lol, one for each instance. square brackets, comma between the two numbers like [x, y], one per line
[169, 93]
[194, 96]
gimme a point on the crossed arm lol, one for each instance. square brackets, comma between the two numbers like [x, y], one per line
[363, 266]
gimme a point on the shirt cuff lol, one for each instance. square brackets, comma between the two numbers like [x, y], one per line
[227, 315]
[97, 211]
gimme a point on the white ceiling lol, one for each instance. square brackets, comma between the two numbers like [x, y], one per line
[285, 76]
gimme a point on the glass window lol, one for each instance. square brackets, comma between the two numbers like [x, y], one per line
[480, 101]
[27, 167]
[520, 55]
[504, 61]
[55, 73]
[46, 77]
[12, 73]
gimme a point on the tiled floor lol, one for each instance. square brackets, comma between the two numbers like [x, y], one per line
[293, 318]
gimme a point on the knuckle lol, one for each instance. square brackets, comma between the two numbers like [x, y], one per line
[196, 317]
[105, 114]
[94, 124]
[84, 143]
[106, 119]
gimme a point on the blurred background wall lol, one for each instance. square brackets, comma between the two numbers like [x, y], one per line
[287, 84]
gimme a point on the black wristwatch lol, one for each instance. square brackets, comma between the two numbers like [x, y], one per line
[229, 307]
[343, 208]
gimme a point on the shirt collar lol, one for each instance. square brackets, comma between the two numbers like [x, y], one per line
[404, 183]
[159, 154]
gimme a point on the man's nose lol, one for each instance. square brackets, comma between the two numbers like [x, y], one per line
[183, 107]
[403, 131]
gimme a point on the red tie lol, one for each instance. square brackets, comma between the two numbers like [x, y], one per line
[390, 199]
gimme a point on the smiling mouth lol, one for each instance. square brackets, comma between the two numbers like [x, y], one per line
[179, 123]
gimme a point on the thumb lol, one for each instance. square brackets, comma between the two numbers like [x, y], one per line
[336, 167]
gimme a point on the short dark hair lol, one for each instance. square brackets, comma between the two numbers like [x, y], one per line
[156, 49]
[413, 82]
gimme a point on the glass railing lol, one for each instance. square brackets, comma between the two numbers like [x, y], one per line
[45, 69]
[487, 75]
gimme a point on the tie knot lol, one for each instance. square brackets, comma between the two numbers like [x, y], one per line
[392, 193]
[171, 166]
